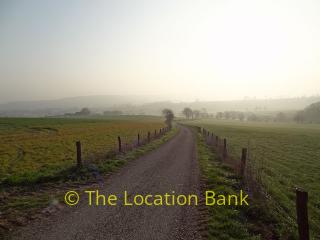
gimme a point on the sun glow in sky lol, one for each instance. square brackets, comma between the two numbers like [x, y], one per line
[209, 50]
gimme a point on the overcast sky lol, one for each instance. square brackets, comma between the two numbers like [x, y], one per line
[207, 50]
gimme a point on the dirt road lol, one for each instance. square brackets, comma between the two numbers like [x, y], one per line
[172, 167]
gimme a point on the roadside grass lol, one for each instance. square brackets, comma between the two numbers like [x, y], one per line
[22, 203]
[287, 156]
[225, 222]
[34, 150]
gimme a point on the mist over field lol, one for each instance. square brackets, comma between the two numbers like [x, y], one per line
[138, 52]
[148, 105]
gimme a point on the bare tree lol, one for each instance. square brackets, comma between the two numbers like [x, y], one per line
[169, 116]
[187, 112]
[196, 113]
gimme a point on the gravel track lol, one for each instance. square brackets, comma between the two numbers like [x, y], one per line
[172, 167]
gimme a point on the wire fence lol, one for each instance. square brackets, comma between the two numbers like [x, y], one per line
[122, 145]
[252, 174]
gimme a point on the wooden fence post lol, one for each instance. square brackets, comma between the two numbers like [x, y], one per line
[138, 139]
[79, 159]
[224, 148]
[119, 144]
[155, 133]
[217, 141]
[243, 161]
[148, 136]
[302, 214]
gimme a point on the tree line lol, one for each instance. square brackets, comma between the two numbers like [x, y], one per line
[195, 114]
[310, 114]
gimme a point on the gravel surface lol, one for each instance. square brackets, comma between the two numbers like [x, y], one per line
[172, 167]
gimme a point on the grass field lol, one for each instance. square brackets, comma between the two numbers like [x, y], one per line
[31, 148]
[288, 156]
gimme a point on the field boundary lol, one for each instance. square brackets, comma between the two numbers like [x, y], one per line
[251, 180]
[122, 146]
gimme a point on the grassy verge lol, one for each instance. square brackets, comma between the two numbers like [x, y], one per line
[286, 156]
[22, 203]
[231, 222]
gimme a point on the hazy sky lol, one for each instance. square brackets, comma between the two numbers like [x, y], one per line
[210, 50]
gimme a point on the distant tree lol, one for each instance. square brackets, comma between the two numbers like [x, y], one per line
[169, 116]
[253, 117]
[310, 114]
[219, 115]
[241, 116]
[233, 115]
[187, 112]
[226, 115]
[196, 113]
[299, 117]
[204, 113]
[280, 117]
[83, 112]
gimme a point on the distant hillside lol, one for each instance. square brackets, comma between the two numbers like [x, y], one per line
[65, 105]
[147, 105]
[263, 105]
